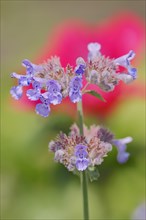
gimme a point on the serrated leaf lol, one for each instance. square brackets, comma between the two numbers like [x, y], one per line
[93, 173]
[96, 94]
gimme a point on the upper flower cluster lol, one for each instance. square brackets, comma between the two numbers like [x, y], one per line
[78, 152]
[51, 82]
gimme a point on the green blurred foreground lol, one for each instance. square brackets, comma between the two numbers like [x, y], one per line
[34, 187]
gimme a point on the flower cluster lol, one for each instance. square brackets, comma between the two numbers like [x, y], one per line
[78, 152]
[51, 82]
[104, 72]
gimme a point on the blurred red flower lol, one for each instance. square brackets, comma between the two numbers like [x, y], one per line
[117, 35]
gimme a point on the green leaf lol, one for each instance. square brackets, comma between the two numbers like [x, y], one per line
[93, 173]
[97, 95]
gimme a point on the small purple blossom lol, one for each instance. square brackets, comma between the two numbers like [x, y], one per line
[31, 68]
[34, 94]
[125, 62]
[42, 109]
[81, 66]
[16, 92]
[75, 89]
[81, 151]
[122, 156]
[81, 154]
[24, 80]
[54, 92]
[82, 164]
[80, 69]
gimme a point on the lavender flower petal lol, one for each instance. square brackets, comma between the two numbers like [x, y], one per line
[55, 98]
[80, 69]
[75, 96]
[75, 86]
[42, 109]
[122, 156]
[82, 164]
[54, 92]
[81, 154]
[53, 86]
[125, 62]
[36, 85]
[16, 92]
[33, 94]
[29, 66]
[81, 151]
[24, 81]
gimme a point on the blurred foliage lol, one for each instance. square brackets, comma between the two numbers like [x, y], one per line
[33, 186]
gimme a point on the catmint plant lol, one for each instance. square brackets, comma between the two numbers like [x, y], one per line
[83, 149]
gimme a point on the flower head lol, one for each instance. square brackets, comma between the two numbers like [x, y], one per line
[80, 152]
[51, 82]
[103, 71]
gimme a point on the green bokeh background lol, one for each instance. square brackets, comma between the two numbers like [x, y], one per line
[32, 185]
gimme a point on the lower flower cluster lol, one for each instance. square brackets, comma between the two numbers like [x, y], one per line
[79, 152]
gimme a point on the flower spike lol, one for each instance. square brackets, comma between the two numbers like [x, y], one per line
[51, 82]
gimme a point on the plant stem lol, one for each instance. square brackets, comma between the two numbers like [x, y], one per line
[83, 175]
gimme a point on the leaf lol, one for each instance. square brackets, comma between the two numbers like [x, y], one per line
[97, 95]
[93, 173]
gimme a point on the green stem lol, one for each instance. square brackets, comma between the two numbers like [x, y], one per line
[83, 174]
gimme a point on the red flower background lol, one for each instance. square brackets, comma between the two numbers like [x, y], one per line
[117, 35]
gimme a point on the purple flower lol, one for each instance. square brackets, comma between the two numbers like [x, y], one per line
[81, 151]
[125, 62]
[24, 80]
[16, 92]
[81, 66]
[42, 109]
[122, 156]
[75, 86]
[80, 70]
[54, 92]
[34, 94]
[29, 66]
[81, 154]
[82, 164]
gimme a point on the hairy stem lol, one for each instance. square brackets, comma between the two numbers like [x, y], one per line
[83, 175]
